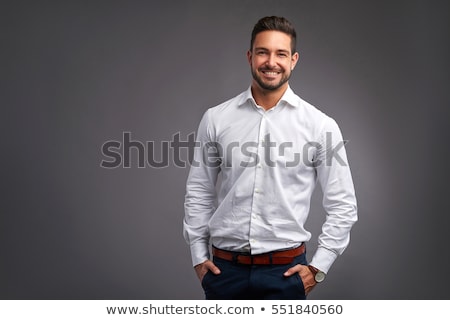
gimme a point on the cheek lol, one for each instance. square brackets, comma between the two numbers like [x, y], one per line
[257, 62]
[288, 67]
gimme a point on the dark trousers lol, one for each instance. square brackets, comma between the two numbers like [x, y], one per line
[254, 282]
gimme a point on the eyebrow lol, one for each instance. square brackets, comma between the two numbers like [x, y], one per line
[278, 50]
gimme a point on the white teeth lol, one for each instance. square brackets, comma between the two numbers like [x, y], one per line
[271, 73]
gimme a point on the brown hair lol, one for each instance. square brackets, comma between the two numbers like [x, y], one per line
[276, 24]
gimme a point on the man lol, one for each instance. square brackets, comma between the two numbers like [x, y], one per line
[271, 147]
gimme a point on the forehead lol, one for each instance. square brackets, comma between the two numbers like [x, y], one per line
[272, 40]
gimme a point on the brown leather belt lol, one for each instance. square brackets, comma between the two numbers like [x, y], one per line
[275, 257]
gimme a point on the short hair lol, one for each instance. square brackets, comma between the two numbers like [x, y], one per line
[276, 24]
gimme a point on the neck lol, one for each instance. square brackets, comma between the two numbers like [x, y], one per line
[267, 98]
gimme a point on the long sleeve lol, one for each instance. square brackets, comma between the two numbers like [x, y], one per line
[200, 198]
[339, 200]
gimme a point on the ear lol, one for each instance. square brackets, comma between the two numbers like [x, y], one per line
[249, 57]
[294, 60]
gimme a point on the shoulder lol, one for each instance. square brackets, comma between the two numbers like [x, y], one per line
[224, 112]
[226, 109]
[231, 103]
[310, 115]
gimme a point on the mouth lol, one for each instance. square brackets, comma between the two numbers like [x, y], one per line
[270, 75]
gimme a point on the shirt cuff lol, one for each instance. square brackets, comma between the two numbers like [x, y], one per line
[199, 253]
[323, 259]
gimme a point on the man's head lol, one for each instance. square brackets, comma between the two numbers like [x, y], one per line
[272, 55]
[274, 23]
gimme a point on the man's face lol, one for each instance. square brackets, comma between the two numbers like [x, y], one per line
[271, 60]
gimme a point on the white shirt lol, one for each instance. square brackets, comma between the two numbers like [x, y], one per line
[269, 162]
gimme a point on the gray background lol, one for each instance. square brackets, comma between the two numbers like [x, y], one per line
[78, 73]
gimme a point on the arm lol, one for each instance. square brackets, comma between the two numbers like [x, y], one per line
[200, 196]
[339, 201]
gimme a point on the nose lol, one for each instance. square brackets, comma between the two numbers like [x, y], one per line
[271, 61]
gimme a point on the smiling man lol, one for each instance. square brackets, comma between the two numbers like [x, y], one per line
[272, 59]
[271, 148]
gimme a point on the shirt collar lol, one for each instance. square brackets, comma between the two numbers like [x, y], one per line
[289, 97]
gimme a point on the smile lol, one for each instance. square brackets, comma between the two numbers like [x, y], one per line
[271, 73]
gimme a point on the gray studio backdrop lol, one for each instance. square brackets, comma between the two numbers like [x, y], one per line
[77, 74]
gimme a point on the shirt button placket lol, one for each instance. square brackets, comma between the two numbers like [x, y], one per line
[258, 186]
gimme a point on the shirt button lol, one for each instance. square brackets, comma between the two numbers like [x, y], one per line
[257, 190]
